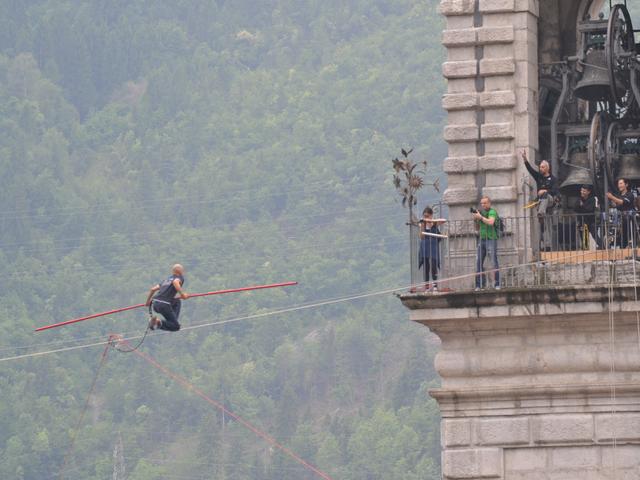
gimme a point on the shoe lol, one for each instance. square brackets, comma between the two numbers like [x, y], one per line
[477, 289]
[435, 288]
[498, 287]
[154, 323]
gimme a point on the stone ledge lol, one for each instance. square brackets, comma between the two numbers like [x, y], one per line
[497, 6]
[492, 35]
[459, 38]
[516, 401]
[461, 133]
[472, 463]
[460, 165]
[460, 196]
[568, 296]
[460, 69]
[497, 66]
[456, 7]
[497, 131]
[500, 194]
[459, 101]
[498, 99]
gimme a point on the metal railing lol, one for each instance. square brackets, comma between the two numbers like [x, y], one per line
[558, 249]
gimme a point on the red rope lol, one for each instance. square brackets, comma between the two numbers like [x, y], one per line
[221, 407]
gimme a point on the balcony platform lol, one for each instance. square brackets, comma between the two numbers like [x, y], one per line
[588, 256]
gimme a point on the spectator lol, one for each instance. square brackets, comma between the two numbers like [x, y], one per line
[546, 198]
[624, 202]
[486, 219]
[429, 254]
[586, 210]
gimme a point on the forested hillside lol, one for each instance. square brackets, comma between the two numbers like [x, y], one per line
[250, 141]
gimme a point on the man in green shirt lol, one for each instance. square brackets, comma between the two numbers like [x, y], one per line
[486, 219]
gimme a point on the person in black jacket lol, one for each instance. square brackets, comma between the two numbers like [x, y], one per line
[586, 210]
[429, 254]
[624, 203]
[163, 299]
[547, 195]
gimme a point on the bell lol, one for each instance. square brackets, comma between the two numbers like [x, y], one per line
[629, 168]
[594, 84]
[579, 174]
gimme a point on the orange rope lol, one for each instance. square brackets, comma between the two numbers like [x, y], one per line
[182, 381]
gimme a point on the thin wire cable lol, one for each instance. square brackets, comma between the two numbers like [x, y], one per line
[190, 387]
[216, 259]
[230, 235]
[68, 242]
[612, 353]
[146, 204]
[280, 311]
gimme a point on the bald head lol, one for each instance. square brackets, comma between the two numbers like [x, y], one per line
[544, 168]
[178, 269]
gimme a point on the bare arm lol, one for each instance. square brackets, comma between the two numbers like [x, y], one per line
[614, 199]
[152, 290]
[488, 221]
[176, 284]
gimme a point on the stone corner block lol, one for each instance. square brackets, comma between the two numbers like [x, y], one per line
[460, 69]
[460, 165]
[530, 6]
[456, 432]
[472, 463]
[498, 162]
[503, 431]
[461, 133]
[497, 66]
[459, 101]
[489, 35]
[464, 37]
[501, 194]
[563, 428]
[497, 131]
[497, 6]
[498, 99]
[460, 196]
[457, 7]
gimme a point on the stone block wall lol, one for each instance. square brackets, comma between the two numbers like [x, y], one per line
[570, 446]
[537, 384]
[491, 100]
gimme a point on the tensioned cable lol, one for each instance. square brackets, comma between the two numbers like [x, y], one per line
[218, 260]
[222, 322]
[142, 238]
[96, 337]
[393, 239]
[279, 311]
[186, 200]
[192, 388]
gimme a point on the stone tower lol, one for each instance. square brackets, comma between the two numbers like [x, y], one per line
[537, 383]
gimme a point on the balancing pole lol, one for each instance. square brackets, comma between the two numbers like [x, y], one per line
[131, 307]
